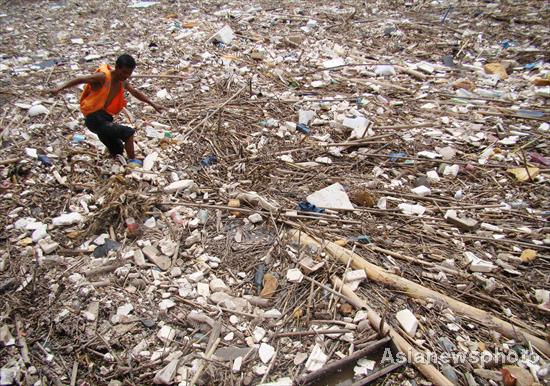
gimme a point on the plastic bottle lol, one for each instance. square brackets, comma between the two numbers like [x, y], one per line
[202, 215]
[79, 138]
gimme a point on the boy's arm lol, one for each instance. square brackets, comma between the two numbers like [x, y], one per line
[141, 96]
[94, 79]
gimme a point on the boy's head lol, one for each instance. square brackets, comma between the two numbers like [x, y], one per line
[125, 65]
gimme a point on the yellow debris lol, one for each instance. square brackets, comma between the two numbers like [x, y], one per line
[497, 69]
[522, 175]
[528, 255]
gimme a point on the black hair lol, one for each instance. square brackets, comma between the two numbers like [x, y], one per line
[125, 61]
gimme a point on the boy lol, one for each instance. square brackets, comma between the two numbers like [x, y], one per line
[103, 97]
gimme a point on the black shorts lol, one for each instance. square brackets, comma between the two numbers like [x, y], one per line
[110, 134]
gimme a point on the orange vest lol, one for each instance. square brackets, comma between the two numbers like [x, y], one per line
[94, 100]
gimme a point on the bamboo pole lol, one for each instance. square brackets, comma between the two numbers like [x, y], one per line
[413, 356]
[415, 290]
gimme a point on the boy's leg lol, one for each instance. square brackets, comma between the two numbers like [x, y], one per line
[101, 124]
[125, 134]
[129, 146]
[115, 137]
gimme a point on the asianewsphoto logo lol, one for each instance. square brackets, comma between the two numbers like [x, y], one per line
[471, 357]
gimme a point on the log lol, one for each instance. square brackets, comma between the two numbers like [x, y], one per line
[428, 370]
[415, 290]
[340, 363]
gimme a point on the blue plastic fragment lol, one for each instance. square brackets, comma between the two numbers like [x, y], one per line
[446, 14]
[79, 138]
[136, 162]
[302, 128]
[363, 239]
[259, 276]
[46, 161]
[530, 113]
[305, 206]
[506, 43]
[396, 156]
[530, 66]
[209, 160]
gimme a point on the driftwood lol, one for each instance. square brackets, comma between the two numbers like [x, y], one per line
[429, 371]
[414, 290]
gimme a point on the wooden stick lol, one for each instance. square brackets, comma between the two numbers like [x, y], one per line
[412, 126]
[413, 73]
[416, 261]
[338, 364]
[362, 141]
[314, 332]
[367, 82]
[74, 373]
[316, 216]
[185, 135]
[442, 161]
[415, 290]
[203, 364]
[160, 76]
[347, 299]
[214, 334]
[54, 379]
[9, 161]
[379, 373]
[428, 370]
[506, 241]
[102, 270]
[510, 115]
[21, 341]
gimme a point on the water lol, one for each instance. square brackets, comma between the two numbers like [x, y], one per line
[342, 377]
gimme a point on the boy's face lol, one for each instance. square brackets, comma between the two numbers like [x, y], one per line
[125, 73]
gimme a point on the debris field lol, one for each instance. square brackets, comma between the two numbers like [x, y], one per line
[332, 185]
